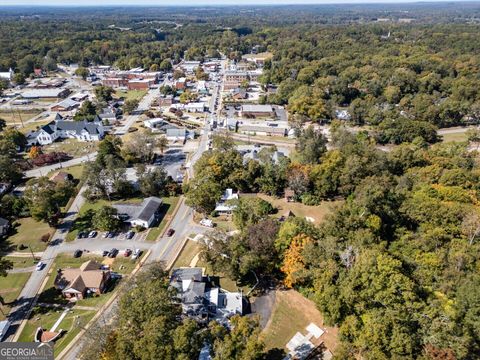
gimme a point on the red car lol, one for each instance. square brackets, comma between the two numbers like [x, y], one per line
[127, 252]
[170, 232]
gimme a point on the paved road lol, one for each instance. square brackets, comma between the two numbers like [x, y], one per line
[144, 105]
[44, 170]
[455, 130]
[32, 287]
[166, 248]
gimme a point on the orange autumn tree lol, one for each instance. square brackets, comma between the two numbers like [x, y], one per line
[293, 262]
[34, 152]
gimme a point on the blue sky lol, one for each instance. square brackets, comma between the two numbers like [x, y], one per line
[188, 2]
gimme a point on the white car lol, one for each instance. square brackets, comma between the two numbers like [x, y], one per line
[207, 223]
[39, 266]
[136, 253]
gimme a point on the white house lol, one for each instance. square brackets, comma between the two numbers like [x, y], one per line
[179, 135]
[223, 207]
[143, 214]
[7, 75]
[62, 129]
[190, 66]
[195, 107]
[153, 123]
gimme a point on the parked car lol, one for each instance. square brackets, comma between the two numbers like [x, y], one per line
[113, 253]
[77, 253]
[92, 234]
[207, 223]
[82, 235]
[105, 253]
[130, 235]
[127, 252]
[136, 254]
[55, 242]
[170, 232]
[110, 235]
[39, 266]
[106, 234]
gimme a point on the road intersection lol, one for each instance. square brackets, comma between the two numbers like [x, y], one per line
[164, 249]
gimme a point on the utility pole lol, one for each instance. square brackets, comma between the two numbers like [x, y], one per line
[33, 257]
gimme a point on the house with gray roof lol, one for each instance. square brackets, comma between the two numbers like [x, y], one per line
[65, 105]
[177, 134]
[257, 110]
[200, 300]
[63, 129]
[143, 214]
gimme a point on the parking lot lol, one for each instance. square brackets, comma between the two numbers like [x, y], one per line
[172, 161]
[116, 236]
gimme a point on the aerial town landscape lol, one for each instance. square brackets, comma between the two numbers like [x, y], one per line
[241, 182]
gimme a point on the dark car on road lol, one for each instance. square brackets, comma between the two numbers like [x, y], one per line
[77, 253]
[130, 235]
[170, 232]
[113, 253]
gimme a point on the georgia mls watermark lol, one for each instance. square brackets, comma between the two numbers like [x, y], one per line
[26, 351]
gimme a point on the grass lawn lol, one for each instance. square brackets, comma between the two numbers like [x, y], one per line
[10, 287]
[188, 252]
[72, 147]
[291, 313]
[169, 204]
[131, 94]
[21, 262]
[76, 171]
[72, 324]
[33, 126]
[317, 213]
[224, 223]
[28, 232]
[459, 137]
[16, 117]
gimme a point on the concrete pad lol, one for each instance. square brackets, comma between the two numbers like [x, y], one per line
[315, 330]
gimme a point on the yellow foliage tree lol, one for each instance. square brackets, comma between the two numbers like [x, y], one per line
[34, 152]
[293, 262]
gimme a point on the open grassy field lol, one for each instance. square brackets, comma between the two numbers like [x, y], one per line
[76, 171]
[458, 137]
[291, 313]
[168, 206]
[317, 213]
[10, 287]
[16, 117]
[72, 324]
[28, 232]
[21, 262]
[32, 126]
[131, 94]
[72, 147]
